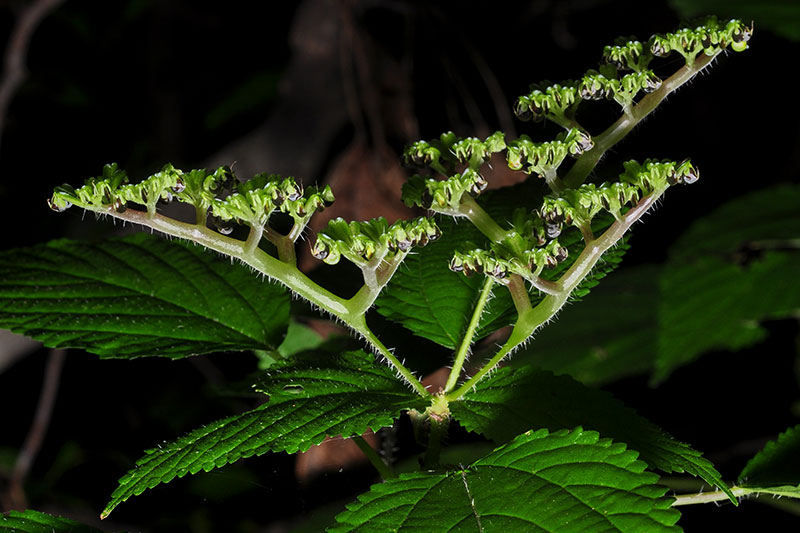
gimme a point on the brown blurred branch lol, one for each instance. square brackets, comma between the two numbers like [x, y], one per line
[14, 496]
[14, 72]
[14, 347]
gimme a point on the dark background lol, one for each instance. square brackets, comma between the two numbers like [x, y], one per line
[331, 91]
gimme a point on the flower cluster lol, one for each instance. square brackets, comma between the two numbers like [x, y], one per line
[556, 102]
[707, 38]
[543, 158]
[255, 200]
[373, 240]
[459, 160]
[449, 152]
[229, 200]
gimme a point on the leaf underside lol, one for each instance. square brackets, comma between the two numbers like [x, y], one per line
[776, 468]
[137, 296]
[433, 302]
[309, 399]
[30, 521]
[567, 481]
[515, 400]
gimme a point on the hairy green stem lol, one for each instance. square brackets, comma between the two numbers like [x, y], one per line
[529, 321]
[553, 181]
[375, 279]
[526, 324]
[200, 215]
[351, 312]
[545, 286]
[466, 341]
[383, 469]
[388, 267]
[436, 432]
[519, 293]
[708, 497]
[253, 238]
[617, 131]
[480, 218]
[718, 495]
[359, 324]
[273, 268]
[286, 250]
[297, 229]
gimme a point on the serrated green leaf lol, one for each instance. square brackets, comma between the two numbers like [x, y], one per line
[309, 399]
[776, 468]
[433, 302]
[730, 270]
[138, 296]
[30, 521]
[566, 481]
[515, 400]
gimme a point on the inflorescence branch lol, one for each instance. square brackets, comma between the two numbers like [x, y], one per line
[450, 178]
[523, 250]
[375, 246]
[530, 320]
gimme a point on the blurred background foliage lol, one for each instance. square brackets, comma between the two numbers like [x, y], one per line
[330, 91]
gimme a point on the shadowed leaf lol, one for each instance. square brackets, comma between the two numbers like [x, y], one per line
[138, 296]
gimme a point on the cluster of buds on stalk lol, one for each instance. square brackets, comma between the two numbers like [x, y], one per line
[544, 158]
[708, 38]
[220, 192]
[373, 240]
[458, 160]
[555, 102]
[255, 200]
[623, 71]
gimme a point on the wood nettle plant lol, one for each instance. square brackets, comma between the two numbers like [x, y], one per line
[570, 457]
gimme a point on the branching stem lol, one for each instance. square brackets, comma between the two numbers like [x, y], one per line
[286, 251]
[530, 320]
[253, 238]
[284, 270]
